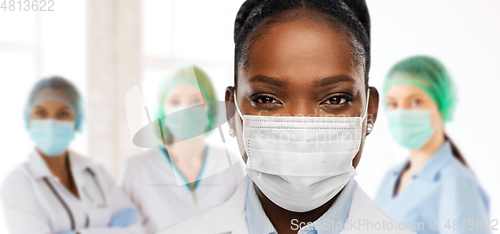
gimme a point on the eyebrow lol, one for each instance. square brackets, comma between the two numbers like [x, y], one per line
[413, 95]
[274, 81]
[38, 106]
[197, 95]
[63, 108]
[333, 80]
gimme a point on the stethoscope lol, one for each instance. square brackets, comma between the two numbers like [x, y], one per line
[94, 201]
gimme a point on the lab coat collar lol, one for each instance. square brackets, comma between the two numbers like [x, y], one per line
[40, 169]
[228, 220]
[78, 162]
[37, 165]
[78, 165]
[363, 209]
[430, 171]
[229, 217]
[258, 222]
[223, 218]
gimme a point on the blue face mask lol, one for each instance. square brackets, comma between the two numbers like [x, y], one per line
[52, 137]
[410, 128]
[187, 123]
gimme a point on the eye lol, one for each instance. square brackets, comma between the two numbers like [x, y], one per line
[416, 102]
[40, 113]
[64, 114]
[392, 105]
[173, 102]
[261, 99]
[196, 101]
[338, 100]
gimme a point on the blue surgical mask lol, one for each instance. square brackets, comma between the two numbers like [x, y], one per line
[51, 136]
[185, 123]
[410, 128]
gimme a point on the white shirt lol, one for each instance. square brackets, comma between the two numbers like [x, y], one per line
[151, 183]
[363, 217]
[330, 222]
[31, 206]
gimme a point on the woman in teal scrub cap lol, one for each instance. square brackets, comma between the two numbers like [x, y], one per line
[185, 174]
[435, 187]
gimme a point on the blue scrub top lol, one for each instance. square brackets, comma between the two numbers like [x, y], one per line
[443, 197]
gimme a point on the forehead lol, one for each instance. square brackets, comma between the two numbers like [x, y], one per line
[404, 91]
[303, 47]
[184, 90]
[51, 104]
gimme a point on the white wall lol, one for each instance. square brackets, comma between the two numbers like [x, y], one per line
[190, 31]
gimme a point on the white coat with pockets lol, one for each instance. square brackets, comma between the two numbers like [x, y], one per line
[150, 182]
[31, 206]
[230, 217]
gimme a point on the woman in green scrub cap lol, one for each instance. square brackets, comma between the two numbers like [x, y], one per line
[184, 175]
[187, 90]
[435, 183]
[419, 89]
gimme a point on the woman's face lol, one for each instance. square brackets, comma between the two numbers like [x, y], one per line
[52, 109]
[183, 95]
[302, 68]
[408, 97]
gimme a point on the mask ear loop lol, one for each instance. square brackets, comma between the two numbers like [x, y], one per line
[352, 171]
[249, 159]
[237, 107]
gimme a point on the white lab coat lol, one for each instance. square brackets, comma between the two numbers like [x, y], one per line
[230, 217]
[32, 207]
[150, 182]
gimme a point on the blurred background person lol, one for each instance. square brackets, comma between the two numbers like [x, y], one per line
[58, 190]
[152, 177]
[435, 183]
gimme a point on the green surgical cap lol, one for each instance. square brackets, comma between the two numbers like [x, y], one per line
[429, 75]
[195, 76]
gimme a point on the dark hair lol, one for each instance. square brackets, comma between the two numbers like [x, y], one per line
[351, 15]
[456, 152]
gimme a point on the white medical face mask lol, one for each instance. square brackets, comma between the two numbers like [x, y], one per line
[300, 163]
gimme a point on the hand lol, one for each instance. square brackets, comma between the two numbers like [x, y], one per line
[68, 232]
[124, 218]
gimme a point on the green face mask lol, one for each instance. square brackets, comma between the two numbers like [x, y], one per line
[187, 123]
[410, 128]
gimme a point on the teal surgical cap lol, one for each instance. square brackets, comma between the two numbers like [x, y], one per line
[59, 89]
[429, 75]
[196, 77]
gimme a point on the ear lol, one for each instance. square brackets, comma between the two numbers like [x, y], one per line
[230, 107]
[372, 107]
